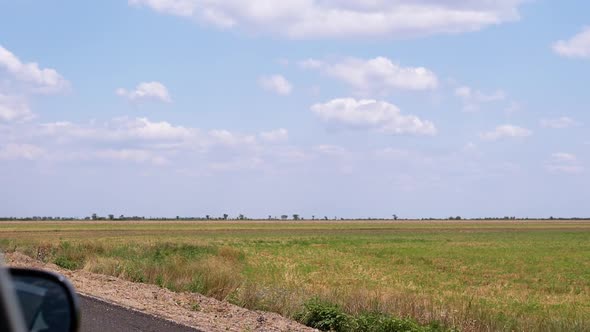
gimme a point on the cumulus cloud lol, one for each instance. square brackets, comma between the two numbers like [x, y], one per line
[277, 135]
[145, 129]
[146, 91]
[304, 19]
[118, 129]
[149, 143]
[577, 46]
[145, 133]
[14, 151]
[505, 131]
[14, 109]
[379, 75]
[45, 80]
[372, 115]
[276, 83]
[227, 138]
[473, 99]
[558, 123]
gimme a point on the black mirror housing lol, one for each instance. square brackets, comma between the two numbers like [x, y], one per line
[47, 300]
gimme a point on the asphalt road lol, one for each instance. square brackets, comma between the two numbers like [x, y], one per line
[100, 316]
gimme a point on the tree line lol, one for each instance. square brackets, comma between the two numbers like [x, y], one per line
[283, 217]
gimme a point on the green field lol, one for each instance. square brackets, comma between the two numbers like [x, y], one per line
[475, 276]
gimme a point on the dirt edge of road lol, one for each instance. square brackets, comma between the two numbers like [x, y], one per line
[190, 309]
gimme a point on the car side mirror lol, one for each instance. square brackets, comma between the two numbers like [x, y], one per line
[47, 300]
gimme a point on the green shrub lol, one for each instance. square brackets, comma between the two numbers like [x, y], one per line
[134, 274]
[68, 256]
[377, 322]
[324, 316]
[66, 262]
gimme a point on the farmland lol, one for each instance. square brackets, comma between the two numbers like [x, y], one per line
[472, 275]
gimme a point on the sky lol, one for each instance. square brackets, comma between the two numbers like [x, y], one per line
[338, 108]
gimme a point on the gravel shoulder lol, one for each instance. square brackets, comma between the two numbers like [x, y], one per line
[190, 309]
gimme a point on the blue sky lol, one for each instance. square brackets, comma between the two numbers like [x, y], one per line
[318, 107]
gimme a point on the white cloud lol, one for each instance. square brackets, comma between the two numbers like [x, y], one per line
[563, 157]
[13, 151]
[304, 19]
[473, 99]
[558, 123]
[277, 135]
[506, 131]
[576, 47]
[227, 138]
[131, 133]
[14, 109]
[379, 75]
[276, 83]
[143, 128]
[134, 155]
[146, 142]
[146, 91]
[373, 115]
[46, 80]
[118, 129]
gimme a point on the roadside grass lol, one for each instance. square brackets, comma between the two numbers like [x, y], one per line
[326, 316]
[474, 276]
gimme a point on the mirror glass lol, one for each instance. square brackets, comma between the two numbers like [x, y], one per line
[44, 303]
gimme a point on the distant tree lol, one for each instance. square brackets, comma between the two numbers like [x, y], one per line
[111, 216]
[457, 218]
[94, 216]
[325, 217]
[284, 217]
[295, 217]
[312, 217]
[241, 217]
[395, 217]
[225, 215]
[207, 217]
[269, 217]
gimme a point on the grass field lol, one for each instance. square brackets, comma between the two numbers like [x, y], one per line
[475, 276]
